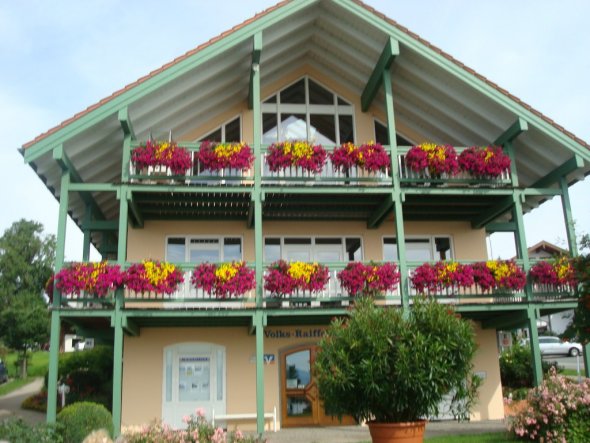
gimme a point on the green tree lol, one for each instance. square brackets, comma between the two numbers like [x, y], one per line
[582, 313]
[26, 260]
[26, 263]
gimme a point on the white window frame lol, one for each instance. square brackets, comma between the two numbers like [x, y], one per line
[431, 240]
[222, 127]
[313, 245]
[335, 109]
[188, 238]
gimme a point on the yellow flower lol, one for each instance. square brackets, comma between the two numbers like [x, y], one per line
[157, 272]
[227, 150]
[227, 271]
[300, 270]
[298, 149]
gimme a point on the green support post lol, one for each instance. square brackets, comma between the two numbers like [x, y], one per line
[569, 220]
[534, 344]
[259, 324]
[521, 245]
[55, 314]
[123, 196]
[397, 195]
[87, 235]
[586, 357]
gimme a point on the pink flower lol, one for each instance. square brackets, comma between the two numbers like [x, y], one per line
[200, 412]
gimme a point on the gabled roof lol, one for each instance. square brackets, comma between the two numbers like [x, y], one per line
[435, 96]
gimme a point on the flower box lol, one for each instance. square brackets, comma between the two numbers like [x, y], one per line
[488, 162]
[225, 280]
[161, 157]
[92, 279]
[219, 156]
[441, 277]
[499, 276]
[370, 157]
[430, 160]
[285, 278]
[557, 275]
[371, 279]
[153, 276]
[300, 154]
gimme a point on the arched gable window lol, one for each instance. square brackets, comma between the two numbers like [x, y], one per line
[305, 110]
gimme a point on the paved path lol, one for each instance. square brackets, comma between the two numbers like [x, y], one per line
[10, 403]
[356, 434]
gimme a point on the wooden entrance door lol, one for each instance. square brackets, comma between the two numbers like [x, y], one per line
[300, 400]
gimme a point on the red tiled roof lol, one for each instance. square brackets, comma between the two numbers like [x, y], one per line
[269, 10]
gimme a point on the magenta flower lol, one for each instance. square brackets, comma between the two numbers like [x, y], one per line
[300, 154]
[482, 162]
[97, 279]
[153, 276]
[166, 154]
[226, 280]
[217, 156]
[433, 158]
[284, 278]
[369, 156]
[360, 279]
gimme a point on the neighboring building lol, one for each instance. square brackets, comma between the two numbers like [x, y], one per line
[331, 72]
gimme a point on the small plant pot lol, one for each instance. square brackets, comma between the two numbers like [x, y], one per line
[412, 432]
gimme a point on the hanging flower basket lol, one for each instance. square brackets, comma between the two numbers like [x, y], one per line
[225, 280]
[153, 276]
[558, 272]
[162, 154]
[217, 156]
[372, 279]
[441, 276]
[96, 279]
[484, 162]
[433, 160]
[300, 154]
[369, 156]
[499, 275]
[285, 278]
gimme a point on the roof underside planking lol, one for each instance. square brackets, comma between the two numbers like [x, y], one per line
[435, 99]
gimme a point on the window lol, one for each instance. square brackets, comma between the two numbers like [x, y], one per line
[228, 132]
[306, 110]
[419, 249]
[200, 250]
[322, 249]
[382, 136]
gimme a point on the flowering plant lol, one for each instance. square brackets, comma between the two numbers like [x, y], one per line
[153, 276]
[296, 153]
[92, 278]
[198, 430]
[499, 274]
[166, 154]
[489, 161]
[558, 411]
[558, 272]
[441, 275]
[360, 279]
[215, 157]
[284, 278]
[370, 156]
[224, 280]
[437, 159]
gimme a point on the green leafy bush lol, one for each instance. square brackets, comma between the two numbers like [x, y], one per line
[516, 367]
[558, 410]
[80, 419]
[89, 374]
[380, 365]
[21, 432]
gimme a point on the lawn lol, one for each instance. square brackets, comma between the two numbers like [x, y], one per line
[14, 384]
[38, 364]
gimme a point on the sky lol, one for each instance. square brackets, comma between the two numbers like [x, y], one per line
[61, 56]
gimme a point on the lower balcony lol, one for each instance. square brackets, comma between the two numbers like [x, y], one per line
[186, 296]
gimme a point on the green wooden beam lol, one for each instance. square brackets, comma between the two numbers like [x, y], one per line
[101, 225]
[390, 51]
[517, 128]
[125, 122]
[123, 196]
[507, 321]
[377, 217]
[138, 221]
[576, 162]
[493, 213]
[259, 324]
[568, 218]
[256, 53]
[130, 326]
[93, 187]
[117, 364]
[501, 227]
[250, 222]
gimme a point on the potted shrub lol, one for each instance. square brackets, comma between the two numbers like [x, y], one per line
[392, 370]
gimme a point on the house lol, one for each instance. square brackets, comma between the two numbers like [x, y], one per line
[330, 72]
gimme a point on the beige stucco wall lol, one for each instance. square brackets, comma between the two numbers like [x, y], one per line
[150, 242]
[143, 369]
